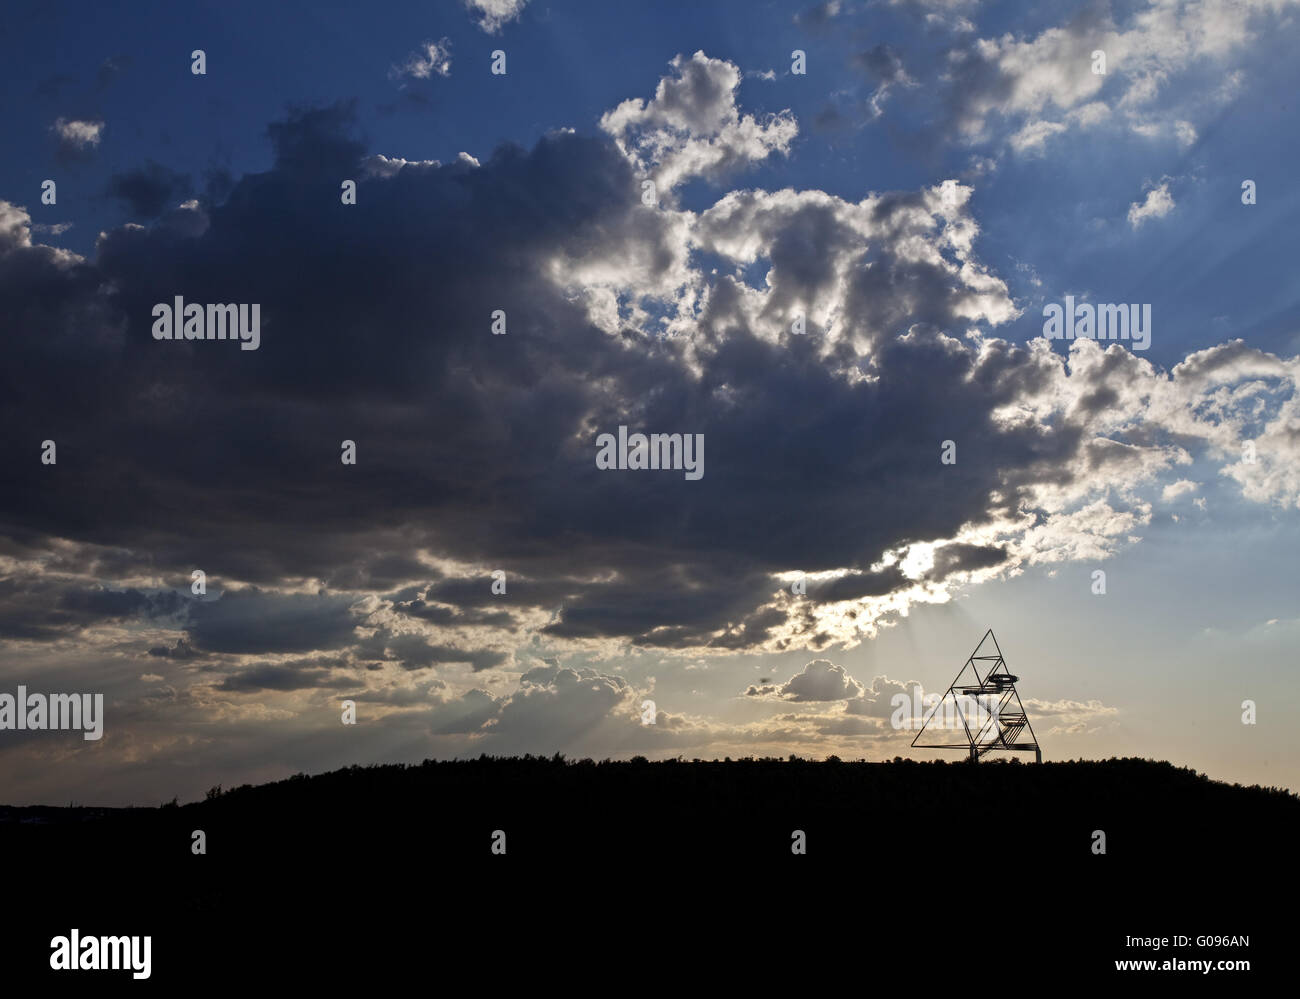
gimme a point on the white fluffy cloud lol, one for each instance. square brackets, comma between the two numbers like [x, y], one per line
[1176, 490]
[433, 58]
[1159, 203]
[494, 14]
[78, 134]
[1033, 88]
[379, 165]
[819, 680]
[692, 127]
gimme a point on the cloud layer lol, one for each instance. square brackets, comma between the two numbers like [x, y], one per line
[475, 451]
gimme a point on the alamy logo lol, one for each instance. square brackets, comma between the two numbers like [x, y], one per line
[217, 322]
[961, 711]
[1100, 322]
[676, 451]
[78, 953]
[57, 711]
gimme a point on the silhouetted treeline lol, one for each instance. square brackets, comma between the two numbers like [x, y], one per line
[686, 834]
[733, 811]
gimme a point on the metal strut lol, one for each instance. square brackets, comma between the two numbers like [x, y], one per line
[1005, 728]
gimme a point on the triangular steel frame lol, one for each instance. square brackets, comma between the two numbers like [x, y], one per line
[1001, 730]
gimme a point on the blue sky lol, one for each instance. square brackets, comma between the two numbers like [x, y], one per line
[942, 170]
[1213, 268]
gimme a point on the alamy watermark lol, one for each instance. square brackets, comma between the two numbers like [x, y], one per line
[653, 451]
[179, 321]
[940, 712]
[40, 712]
[77, 953]
[1086, 321]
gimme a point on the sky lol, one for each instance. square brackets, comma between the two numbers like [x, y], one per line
[820, 240]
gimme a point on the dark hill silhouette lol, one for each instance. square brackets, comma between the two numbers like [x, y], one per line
[585, 840]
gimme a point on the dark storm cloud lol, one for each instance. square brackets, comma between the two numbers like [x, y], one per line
[375, 329]
[147, 191]
[434, 249]
[964, 558]
[685, 602]
[29, 610]
[414, 651]
[316, 140]
[281, 677]
[853, 585]
[181, 650]
[445, 614]
[104, 603]
[249, 621]
[44, 609]
[379, 571]
[417, 652]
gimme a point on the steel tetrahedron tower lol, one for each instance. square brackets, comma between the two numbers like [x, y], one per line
[985, 712]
